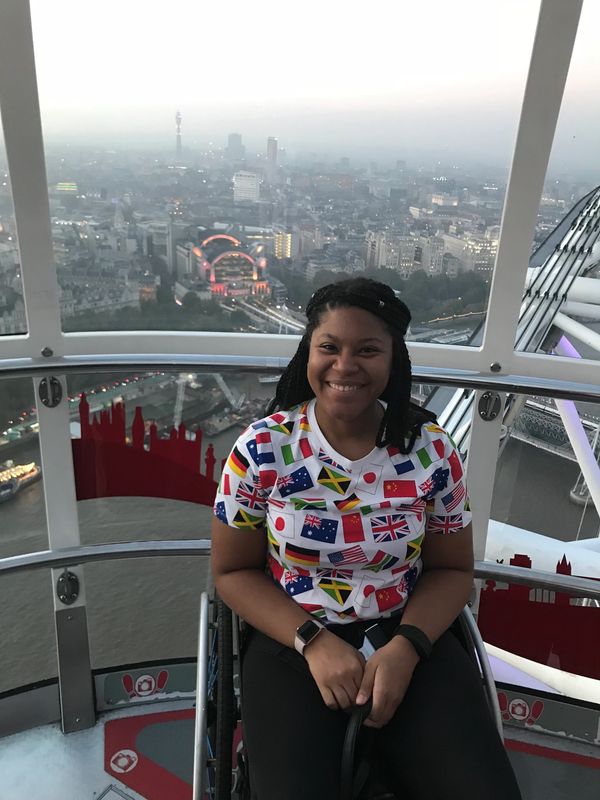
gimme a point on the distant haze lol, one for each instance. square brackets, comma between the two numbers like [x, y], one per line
[347, 78]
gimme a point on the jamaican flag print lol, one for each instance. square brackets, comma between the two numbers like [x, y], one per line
[333, 480]
[244, 519]
[338, 590]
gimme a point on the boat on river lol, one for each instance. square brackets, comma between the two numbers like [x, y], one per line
[14, 477]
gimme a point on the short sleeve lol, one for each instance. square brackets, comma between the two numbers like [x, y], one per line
[448, 509]
[241, 501]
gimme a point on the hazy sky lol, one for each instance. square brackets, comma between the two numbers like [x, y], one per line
[343, 76]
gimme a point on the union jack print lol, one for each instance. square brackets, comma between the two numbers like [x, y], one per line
[445, 524]
[249, 496]
[389, 528]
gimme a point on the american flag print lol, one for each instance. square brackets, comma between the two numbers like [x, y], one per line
[352, 555]
[454, 498]
[389, 527]
[343, 538]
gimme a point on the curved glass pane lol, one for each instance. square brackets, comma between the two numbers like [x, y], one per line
[12, 308]
[26, 622]
[544, 516]
[147, 450]
[222, 206]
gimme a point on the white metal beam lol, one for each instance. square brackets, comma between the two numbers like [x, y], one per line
[26, 164]
[578, 331]
[586, 290]
[585, 310]
[553, 45]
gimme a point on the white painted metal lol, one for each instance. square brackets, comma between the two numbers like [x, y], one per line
[586, 310]
[585, 290]
[481, 471]
[27, 169]
[581, 447]
[199, 774]
[584, 452]
[553, 45]
[578, 331]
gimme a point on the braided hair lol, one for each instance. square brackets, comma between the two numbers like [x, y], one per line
[402, 419]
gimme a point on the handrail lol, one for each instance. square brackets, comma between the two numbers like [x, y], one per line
[443, 376]
[87, 554]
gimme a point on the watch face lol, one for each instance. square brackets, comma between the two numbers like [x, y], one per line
[308, 630]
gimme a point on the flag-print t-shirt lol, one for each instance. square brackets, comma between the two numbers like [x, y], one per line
[344, 537]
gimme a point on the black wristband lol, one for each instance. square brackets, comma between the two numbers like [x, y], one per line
[418, 639]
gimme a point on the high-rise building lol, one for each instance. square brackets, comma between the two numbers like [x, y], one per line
[178, 120]
[246, 186]
[235, 150]
[272, 148]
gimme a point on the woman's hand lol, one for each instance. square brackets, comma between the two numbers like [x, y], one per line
[386, 678]
[337, 668]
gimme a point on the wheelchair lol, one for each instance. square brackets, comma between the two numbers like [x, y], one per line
[220, 761]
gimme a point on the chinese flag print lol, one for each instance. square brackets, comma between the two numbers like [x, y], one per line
[388, 598]
[399, 489]
[352, 526]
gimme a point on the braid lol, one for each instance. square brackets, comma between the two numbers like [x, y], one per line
[402, 419]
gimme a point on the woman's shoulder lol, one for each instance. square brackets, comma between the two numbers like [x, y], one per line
[279, 422]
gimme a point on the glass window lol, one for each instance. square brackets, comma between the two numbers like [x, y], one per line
[543, 517]
[12, 308]
[28, 646]
[148, 449]
[222, 204]
[562, 288]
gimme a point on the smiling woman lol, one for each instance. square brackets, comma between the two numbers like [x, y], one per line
[327, 523]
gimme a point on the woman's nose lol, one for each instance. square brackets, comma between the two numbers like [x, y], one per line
[346, 362]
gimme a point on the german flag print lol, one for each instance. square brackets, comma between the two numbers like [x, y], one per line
[238, 463]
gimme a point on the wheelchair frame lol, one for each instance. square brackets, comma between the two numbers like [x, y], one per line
[218, 699]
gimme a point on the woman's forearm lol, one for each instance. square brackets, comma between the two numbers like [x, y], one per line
[263, 604]
[438, 598]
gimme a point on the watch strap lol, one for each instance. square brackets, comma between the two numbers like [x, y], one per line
[418, 638]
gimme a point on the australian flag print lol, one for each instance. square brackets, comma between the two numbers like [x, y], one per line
[220, 512]
[319, 529]
[296, 481]
[435, 483]
[296, 583]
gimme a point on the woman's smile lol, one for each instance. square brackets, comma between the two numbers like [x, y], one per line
[348, 369]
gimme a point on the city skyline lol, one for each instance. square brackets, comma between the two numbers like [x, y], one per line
[312, 78]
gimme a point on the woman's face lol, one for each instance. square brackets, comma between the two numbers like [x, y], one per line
[349, 363]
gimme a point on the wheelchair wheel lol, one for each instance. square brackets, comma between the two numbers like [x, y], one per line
[222, 703]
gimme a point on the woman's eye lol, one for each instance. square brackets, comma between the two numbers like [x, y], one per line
[328, 347]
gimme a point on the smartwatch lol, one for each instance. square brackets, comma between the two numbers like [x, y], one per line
[419, 640]
[305, 633]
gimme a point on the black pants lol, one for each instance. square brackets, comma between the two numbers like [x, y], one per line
[441, 743]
